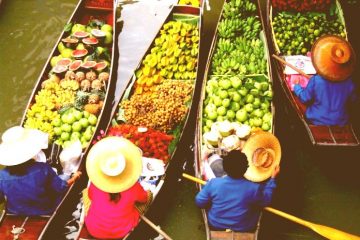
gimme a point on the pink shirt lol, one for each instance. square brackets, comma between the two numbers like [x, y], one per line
[107, 219]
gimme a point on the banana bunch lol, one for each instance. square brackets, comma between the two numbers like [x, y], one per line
[229, 28]
[251, 27]
[236, 8]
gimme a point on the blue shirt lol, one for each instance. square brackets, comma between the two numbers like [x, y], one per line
[326, 100]
[235, 203]
[36, 193]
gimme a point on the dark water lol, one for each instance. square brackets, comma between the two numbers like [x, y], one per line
[321, 186]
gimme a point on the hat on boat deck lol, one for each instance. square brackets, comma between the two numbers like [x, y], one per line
[333, 58]
[114, 164]
[263, 152]
[20, 145]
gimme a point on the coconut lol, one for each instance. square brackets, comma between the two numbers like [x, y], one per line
[225, 128]
[230, 143]
[243, 131]
[212, 138]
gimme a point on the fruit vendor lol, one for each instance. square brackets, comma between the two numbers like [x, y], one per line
[114, 166]
[235, 201]
[329, 91]
[30, 187]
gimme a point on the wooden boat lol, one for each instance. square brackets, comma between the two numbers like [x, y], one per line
[141, 96]
[201, 143]
[319, 135]
[97, 12]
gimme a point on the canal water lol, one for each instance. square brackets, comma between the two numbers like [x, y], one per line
[318, 185]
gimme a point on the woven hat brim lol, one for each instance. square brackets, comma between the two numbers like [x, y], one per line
[265, 140]
[111, 147]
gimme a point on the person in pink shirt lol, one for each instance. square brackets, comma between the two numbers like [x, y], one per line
[113, 165]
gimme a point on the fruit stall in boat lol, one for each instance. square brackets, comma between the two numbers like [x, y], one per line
[154, 108]
[69, 98]
[292, 30]
[236, 97]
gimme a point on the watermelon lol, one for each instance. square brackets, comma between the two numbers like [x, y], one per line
[64, 62]
[98, 33]
[80, 34]
[79, 53]
[75, 65]
[59, 69]
[90, 41]
[88, 64]
[100, 66]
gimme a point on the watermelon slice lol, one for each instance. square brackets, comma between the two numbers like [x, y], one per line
[80, 34]
[90, 41]
[100, 66]
[79, 53]
[75, 65]
[88, 64]
[59, 69]
[64, 62]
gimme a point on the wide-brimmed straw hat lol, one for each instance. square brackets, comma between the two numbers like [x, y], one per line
[114, 164]
[263, 152]
[333, 58]
[20, 145]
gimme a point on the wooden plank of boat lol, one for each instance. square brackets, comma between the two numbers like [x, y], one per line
[85, 11]
[190, 19]
[319, 135]
[201, 127]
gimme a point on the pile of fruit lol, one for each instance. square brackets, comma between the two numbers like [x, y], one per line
[296, 33]
[153, 115]
[76, 84]
[154, 144]
[301, 5]
[173, 56]
[238, 90]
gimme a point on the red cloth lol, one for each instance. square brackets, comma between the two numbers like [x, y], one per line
[110, 220]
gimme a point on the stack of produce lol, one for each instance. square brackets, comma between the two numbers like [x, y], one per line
[238, 90]
[296, 33]
[173, 56]
[301, 5]
[152, 116]
[78, 79]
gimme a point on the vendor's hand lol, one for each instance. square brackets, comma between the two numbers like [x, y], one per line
[296, 80]
[74, 177]
[276, 171]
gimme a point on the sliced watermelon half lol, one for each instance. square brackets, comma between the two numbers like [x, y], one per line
[80, 34]
[90, 41]
[79, 53]
[64, 62]
[100, 66]
[88, 64]
[59, 69]
[75, 65]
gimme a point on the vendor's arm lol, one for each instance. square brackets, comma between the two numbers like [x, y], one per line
[305, 94]
[140, 193]
[203, 198]
[265, 194]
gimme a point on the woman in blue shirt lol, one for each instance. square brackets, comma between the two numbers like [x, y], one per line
[328, 93]
[234, 202]
[31, 188]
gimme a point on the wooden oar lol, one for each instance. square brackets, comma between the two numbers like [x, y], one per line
[156, 228]
[328, 232]
[290, 65]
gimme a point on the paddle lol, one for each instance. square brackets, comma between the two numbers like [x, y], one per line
[156, 228]
[328, 232]
[290, 65]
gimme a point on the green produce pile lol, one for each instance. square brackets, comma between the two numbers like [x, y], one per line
[296, 33]
[238, 89]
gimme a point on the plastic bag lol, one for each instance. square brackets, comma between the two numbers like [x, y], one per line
[70, 156]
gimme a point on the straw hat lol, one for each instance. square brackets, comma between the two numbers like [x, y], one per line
[20, 145]
[333, 58]
[263, 152]
[114, 164]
